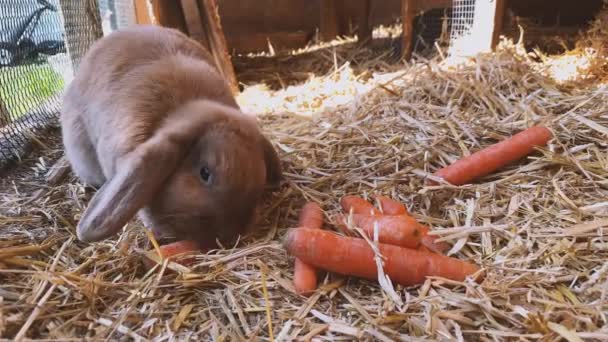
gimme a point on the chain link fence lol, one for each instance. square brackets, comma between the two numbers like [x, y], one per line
[41, 42]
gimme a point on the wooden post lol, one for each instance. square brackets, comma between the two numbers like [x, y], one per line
[365, 29]
[199, 19]
[217, 41]
[498, 21]
[160, 12]
[194, 22]
[408, 12]
[142, 13]
[328, 25]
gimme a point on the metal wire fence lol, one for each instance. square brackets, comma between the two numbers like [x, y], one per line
[41, 42]
[472, 26]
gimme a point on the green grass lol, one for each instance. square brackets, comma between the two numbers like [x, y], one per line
[23, 88]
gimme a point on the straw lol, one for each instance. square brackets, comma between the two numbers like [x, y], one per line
[352, 120]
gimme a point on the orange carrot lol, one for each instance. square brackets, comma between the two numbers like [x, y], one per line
[178, 248]
[355, 257]
[390, 206]
[400, 230]
[429, 242]
[495, 157]
[425, 249]
[305, 275]
[358, 204]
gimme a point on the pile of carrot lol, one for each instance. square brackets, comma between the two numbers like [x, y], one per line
[396, 225]
[410, 253]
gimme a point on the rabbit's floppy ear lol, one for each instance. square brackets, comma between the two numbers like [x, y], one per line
[137, 179]
[141, 173]
[274, 173]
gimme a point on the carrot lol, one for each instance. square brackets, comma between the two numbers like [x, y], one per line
[424, 248]
[400, 230]
[495, 157]
[390, 206]
[178, 248]
[355, 257]
[429, 242]
[358, 204]
[305, 275]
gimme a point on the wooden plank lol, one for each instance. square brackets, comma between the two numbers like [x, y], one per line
[423, 6]
[499, 15]
[194, 22]
[159, 12]
[258, 42]
[169, 14]
[408, 12]
[328, 25]
[142, 13]
[217, 41]
[364, 27]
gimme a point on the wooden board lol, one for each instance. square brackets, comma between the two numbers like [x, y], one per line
[408, 11]
[142, 13]
[159, 12]
[194, 21]
[328, 24]
[217, 41]
[364, 25]
[258, 42]
[197, 18]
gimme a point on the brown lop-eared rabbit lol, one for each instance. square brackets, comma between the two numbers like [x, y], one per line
[150, 121]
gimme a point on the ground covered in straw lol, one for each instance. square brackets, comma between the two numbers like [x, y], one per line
[367, 126]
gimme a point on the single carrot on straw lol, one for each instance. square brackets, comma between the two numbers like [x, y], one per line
[178, 249]
[358, 205]
[400, 230]
[390, 206]
[492, 158]
[355, 257]
[305, 275]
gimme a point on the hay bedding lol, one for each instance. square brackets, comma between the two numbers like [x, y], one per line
[537, 227]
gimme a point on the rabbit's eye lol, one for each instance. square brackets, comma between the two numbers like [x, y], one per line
[205, 175]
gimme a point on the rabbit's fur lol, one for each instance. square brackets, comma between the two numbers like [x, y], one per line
[145, 117]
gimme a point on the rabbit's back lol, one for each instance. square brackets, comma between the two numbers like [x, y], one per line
[131, 80]
[114, 56]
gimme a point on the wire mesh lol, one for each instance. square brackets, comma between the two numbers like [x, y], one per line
[41, 42]
[462, 22]
[463, 15]
[472, 27]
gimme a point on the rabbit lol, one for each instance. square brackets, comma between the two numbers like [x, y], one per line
[150, 122]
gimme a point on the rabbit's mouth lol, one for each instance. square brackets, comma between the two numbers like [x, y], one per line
[173, 226]
[204, 229]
